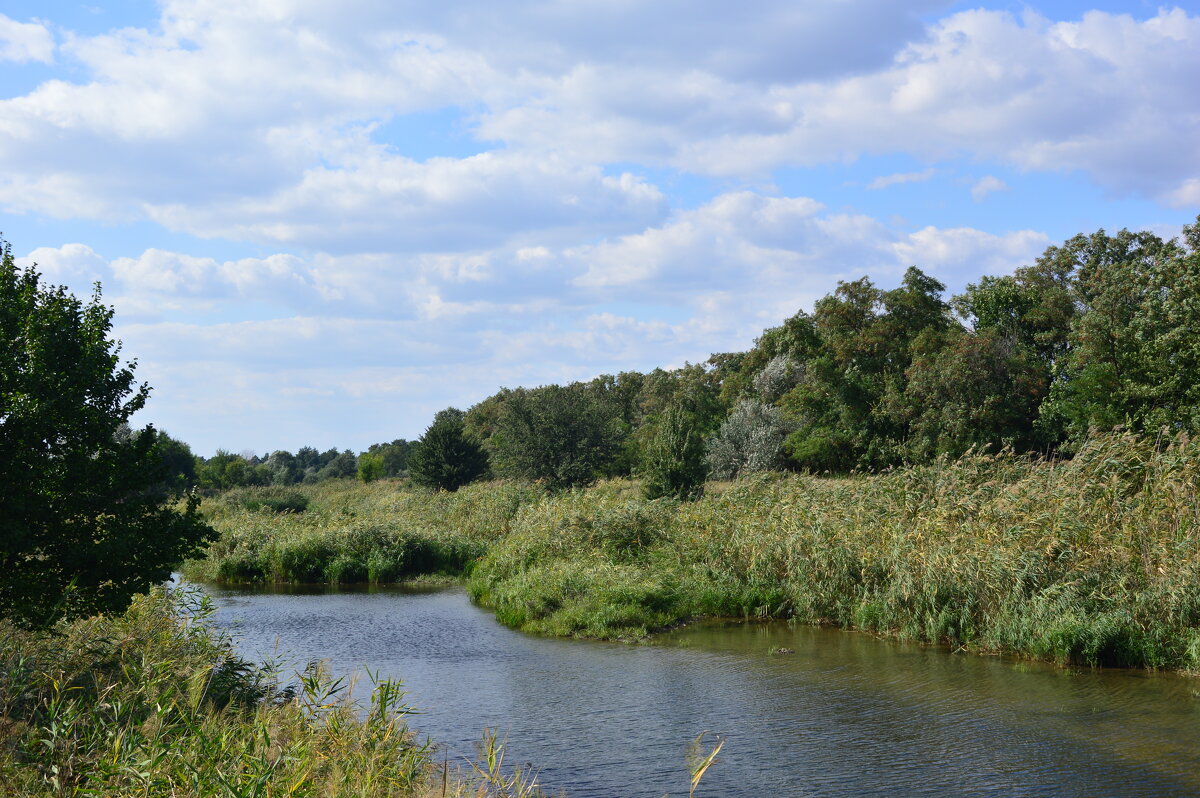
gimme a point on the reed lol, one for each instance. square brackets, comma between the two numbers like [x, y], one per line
[351, 532]
[1094, 561]
[156, 703]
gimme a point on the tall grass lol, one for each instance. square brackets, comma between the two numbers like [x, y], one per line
[1094, 561]
[350, 532]
[154, 703]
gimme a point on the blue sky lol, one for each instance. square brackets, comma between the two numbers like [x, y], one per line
[320, 223]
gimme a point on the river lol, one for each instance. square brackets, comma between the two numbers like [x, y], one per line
[844, 715]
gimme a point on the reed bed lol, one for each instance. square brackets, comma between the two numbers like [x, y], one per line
[155, 703]
[350, 532]
[1094, 560]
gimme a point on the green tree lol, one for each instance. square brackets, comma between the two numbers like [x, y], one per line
[561, 436]
[370, 466]
[973, 389]
[83, 523]
[1135, 348]
[446, 457]
[866, 339]
[343, 466]
[394, 456]
[674, 461]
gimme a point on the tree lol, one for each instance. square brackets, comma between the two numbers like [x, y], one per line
[342, 466]
[561, 436]
[674, 461]
[84, 523]
[446, 457]
[370, 466]
[748, 441]
[1135, 349]
[394, 456]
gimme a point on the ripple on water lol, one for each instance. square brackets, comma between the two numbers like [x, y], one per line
[846, 714]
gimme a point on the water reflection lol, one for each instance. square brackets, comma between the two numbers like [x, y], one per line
[844, 715]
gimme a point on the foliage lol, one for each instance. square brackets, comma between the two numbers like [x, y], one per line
[156, 702]
[370, 466]
[865, 342]
[355, 532]
[674, 464]
[446, 457]
[748, 441]
[1135, 350]
[273, 499]
[84, 519]
[779, 376]
[394, 456]
[1089, 561]
[972, 391]
[560, 436]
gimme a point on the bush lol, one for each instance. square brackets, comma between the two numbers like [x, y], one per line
[748, 441]
[276, 500]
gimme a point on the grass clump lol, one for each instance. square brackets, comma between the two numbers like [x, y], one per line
[272, 499]
[351, 532]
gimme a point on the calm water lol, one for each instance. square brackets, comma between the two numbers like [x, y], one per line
[844, 715]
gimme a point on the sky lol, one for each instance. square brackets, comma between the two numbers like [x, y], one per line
[321, 222]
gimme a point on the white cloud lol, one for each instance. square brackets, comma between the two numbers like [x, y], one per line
[383, 202]
[73, 264]
[259, 120]
[1107, 95]
[25, 41]
[276, 339]
[900, 178]
[987, 185]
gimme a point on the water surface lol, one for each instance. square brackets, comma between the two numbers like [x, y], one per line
[846, 714]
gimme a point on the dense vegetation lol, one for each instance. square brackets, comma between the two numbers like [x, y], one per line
[956, 480]
[1090, 560]
[1007, 470]
[85, 521]
[153, 702]
[354, 532]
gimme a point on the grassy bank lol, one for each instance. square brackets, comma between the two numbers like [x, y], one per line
[1095, 560]
[154, 703]
[350, 532]
[1091, 561]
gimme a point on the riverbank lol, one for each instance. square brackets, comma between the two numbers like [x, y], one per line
[155, 702]
[1092, 561]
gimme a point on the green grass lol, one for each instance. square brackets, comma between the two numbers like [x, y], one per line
[1093, 560]
[155, 703]
[351, 532]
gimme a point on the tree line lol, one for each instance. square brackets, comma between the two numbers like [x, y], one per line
[1099, 332]
[1102, 331]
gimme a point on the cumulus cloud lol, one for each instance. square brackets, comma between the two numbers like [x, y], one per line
[74, 264]
[257, 120]
[1108, 95]
[25, 41]
[280, 336]
[383, 274]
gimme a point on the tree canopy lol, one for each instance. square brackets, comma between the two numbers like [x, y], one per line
[447, 457]
[85, 521]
